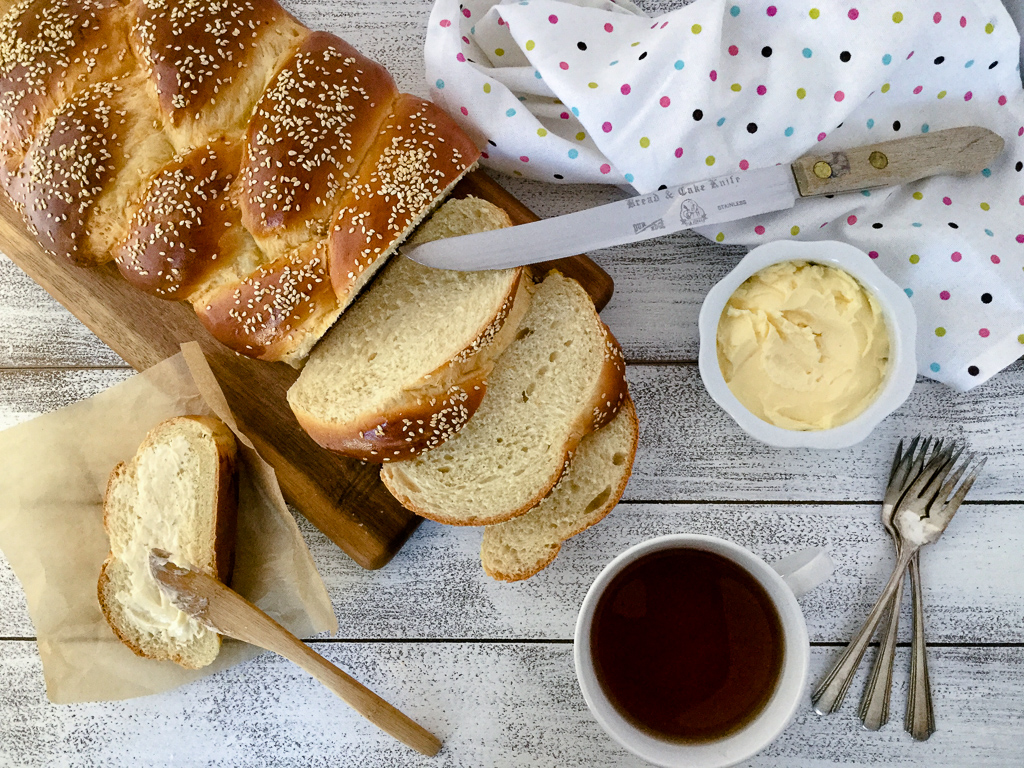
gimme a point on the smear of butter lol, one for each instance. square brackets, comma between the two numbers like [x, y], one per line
[166, 503]
[803, 346]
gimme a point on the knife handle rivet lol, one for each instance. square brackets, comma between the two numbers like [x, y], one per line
[822, 170]
[878, 160]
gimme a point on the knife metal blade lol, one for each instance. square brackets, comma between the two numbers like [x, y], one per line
[727, 197]
[699, 203]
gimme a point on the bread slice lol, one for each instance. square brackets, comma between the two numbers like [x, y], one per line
[406, 366]
[589, 490]
[562, 377]
[179, 493]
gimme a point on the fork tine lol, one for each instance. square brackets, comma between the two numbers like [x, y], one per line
[954, 476]
[902, 465]
[931, 470]
[961, 493]
[898, 458]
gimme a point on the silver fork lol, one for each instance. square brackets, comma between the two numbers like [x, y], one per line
[906, 467]
[920, 519]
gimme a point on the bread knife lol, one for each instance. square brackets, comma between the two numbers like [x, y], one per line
[717, 199]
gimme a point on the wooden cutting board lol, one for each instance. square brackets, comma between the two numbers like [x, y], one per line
[342, 497]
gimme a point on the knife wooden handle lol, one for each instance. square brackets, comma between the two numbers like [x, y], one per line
[955, 150]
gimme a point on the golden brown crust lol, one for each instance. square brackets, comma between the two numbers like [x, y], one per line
[270, 313]
[49, 48]
[73, 159]
[193, 51]
[417, 157]
[96, 96]
[308, 137]
[165, 253]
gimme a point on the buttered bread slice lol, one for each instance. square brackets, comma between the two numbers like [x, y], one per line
[562, 377]
[595, 481]
[406, 366]
[179, 493]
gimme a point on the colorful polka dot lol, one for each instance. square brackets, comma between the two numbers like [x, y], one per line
[679, 151]
[808, 53]
[530, 45]
[445, 23]
[487, 87]
[563, 65]
[800, 93]
[463, 110]
[762, 90]
[439, 84]
[772, 10]
[897, 17]
[709, 160]
[628, 177]
[664, 101]
[995, 258]
[645, 142]
[759, 230]
[553, 19]
[917, 196]
[956, 256]
[871, 123]
[794, 230]
[985, 206]
[788, 131]
[733, 50]
[885, 88]
[984, 333]
[940, 331]
[679, 64]
[744, 165]
[499, 51]
[591, 85]
[606, 127]
[944, 295]
[914, 258]
[573, 154]
[720, 237]
[695, 29]
[909, 292]
[887, 59]
[524, 158]
[873, 254]
[510, 112]
[839, 96]
[814, 13]
[734, 11]
[625, 89]
[989, 29]
[609, 28]
[581, 136]
[852, 14]
[736, 87]
[935, 367]
[542, 132]
[605, 168]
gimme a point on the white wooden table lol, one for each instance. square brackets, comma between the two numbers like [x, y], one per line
[488, 666]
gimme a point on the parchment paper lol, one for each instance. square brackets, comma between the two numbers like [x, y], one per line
[54, 475]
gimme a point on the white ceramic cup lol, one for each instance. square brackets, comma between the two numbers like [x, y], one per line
[783, 582]
[900, 322]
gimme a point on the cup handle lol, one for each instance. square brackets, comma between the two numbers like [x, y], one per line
[804, 570]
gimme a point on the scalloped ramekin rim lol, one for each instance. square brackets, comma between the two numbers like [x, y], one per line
[900, 320]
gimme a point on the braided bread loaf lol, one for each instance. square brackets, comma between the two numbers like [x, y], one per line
[220, 153]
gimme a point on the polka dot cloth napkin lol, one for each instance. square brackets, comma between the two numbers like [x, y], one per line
[594, 91]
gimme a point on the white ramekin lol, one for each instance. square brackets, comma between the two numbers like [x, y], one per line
[900, 321]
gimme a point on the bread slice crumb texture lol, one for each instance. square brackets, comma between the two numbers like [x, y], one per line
[416, 334]
[559, 378]
[596, 479]
[166, 497]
